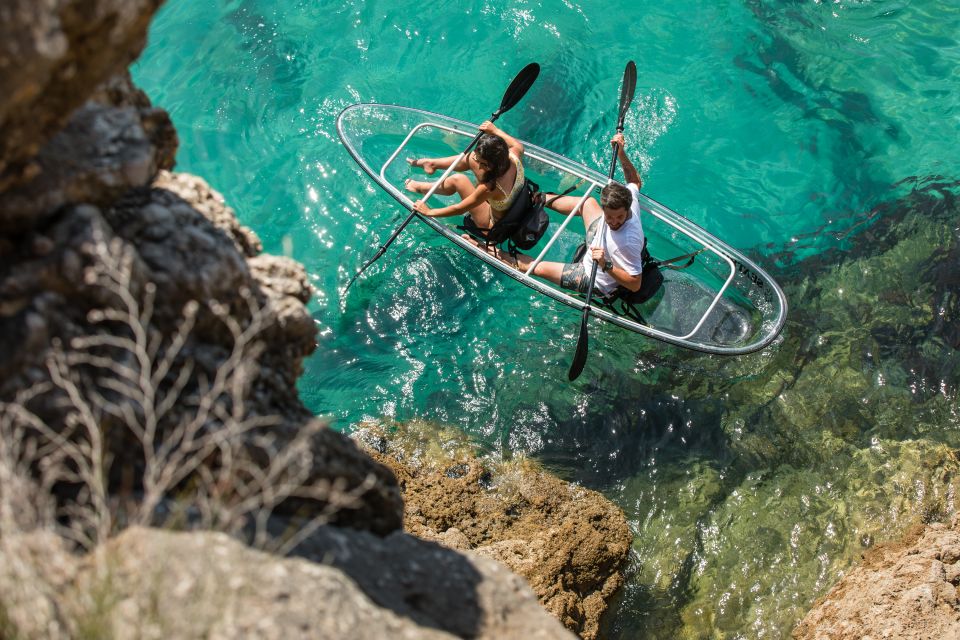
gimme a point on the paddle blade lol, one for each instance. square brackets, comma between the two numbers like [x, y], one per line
[580, 357]
[627, 90]
[518, 88]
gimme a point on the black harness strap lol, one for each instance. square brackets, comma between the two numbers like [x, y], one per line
[669, 263]
[481, 234]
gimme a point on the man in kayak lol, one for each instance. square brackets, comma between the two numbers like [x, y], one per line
[614, 237]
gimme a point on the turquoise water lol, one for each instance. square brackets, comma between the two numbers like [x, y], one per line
[818, 137]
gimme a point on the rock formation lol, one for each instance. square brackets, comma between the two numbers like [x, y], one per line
[102, 180]
[148, 358]
[909, 589]
[570, 543]
[149, 583]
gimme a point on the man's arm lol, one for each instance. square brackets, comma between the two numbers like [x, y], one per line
[630, 173]
[624, 279]
[619, 274]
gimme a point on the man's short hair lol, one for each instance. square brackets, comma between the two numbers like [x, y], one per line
[616, 196]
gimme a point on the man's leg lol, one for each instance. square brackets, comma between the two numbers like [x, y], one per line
[590, 210]
[564, 274]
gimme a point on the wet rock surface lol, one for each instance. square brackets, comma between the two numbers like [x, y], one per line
[907, 589]
[570, 543]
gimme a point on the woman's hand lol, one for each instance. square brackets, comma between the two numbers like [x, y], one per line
[489, 127]
[619, 140]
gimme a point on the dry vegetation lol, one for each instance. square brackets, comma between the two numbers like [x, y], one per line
[128, 429]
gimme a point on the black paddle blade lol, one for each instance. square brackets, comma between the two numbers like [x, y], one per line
[626, 92]
[627, 89]
[580, 357]
[518, 88]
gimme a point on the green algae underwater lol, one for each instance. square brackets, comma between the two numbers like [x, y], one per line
[818, 137]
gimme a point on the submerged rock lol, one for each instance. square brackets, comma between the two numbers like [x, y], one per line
[570, 543]
[754, 483]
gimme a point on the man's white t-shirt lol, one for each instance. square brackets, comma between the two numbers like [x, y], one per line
[623, 246]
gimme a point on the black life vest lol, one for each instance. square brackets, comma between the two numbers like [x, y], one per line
[649, 284]
[521, 226]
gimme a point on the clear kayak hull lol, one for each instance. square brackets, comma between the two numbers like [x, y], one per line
[723, 303]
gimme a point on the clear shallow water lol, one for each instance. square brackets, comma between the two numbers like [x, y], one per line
[808, 134]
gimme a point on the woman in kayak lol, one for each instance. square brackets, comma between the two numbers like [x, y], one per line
[496, 163]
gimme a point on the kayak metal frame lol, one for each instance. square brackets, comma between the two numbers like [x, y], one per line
[734, 259]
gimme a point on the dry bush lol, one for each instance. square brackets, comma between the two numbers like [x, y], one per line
[201, 458]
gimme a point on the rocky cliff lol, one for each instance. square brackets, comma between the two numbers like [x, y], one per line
[570, 543]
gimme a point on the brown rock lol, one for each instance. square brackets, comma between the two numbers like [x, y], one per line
[905, 589]
[206, 585]
[151, 583]
[570, 543]
[53, 53]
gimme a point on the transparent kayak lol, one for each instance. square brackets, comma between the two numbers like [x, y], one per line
[723, 303]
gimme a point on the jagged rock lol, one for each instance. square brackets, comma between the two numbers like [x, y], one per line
[53, 53]
[210, 203]
[151, 583]
[570, 543]
[908, 590]
[120, 92]
[189, 258]
[45, 296]
[102, 152]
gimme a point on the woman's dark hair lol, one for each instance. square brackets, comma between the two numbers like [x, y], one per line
[493, 152]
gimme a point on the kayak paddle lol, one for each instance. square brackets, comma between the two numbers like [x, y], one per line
[626, 97]
[517, 89]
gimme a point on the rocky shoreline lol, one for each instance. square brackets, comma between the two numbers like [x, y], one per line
[150, 352]
[907, 589]
[570, 544]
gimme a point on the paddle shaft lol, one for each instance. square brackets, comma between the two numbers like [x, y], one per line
[413, 212]
[626, 97]
[515, 91]
[600, 229]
